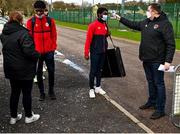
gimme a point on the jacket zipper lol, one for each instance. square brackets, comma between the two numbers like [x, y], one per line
[42, 35]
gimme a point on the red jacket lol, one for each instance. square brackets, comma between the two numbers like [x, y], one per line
[45, 36]
[96, 40]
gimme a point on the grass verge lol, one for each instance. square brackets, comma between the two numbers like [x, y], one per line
[131, 35]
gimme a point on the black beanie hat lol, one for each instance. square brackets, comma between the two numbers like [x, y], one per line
[40, 4]
[101, 10]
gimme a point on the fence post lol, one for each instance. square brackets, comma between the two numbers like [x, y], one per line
[84, 15]
[59, 15]
[134, 17]
[70, 16]
[63, 15]
[91, 13]
[79, 16]
[66, 15]
[74, 16]
[177, 21]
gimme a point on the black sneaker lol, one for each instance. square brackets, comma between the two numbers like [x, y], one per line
[157, 115]
[42, 97]
[52, 96]
[147, 106]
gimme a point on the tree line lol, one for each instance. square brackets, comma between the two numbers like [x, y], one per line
[26, 6]
[9, 5]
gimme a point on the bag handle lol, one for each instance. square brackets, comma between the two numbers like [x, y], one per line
[110, 36]
[112, 41]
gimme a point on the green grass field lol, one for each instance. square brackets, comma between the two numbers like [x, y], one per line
[131, 35]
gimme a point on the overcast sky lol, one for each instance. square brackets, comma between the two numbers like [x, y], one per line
[91, 1]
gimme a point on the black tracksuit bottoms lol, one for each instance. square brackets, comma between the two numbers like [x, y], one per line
[16, 87]
[97, 62]
[49, 60]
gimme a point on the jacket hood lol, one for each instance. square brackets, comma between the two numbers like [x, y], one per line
[12, 27]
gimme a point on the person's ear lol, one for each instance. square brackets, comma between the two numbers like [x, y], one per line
[99, 15]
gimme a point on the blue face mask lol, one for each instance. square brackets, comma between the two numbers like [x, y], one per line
[104, 17]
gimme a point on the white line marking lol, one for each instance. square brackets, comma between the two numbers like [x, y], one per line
[60, 57]
[118, 106]
[58, 53]
[70, 63]
[129, 115]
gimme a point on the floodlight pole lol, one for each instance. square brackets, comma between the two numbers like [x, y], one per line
[122, 8]
[51, 6]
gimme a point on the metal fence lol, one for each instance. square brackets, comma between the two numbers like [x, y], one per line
[135, 13]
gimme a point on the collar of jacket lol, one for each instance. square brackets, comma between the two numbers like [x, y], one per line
[100, 20]
[162, 16]
[37, 16]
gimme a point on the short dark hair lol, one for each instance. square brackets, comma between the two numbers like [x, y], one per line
[156, 7]
[40, 4]
[101, 10]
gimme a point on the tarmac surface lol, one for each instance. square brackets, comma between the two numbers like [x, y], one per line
[130, 91]
[73, 111]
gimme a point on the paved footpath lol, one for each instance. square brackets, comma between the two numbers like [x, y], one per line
[73, 111]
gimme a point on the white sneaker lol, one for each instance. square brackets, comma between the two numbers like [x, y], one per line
[14, 120]
[44, 69]
[35, 79]
[99, 90]
[33, 118]
[91, 93]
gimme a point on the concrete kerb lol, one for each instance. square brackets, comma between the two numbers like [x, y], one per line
[129, 115]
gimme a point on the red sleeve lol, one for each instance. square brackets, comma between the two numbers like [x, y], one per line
[53, 34]
[89, 37]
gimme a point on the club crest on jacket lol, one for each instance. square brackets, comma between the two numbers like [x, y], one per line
[47, 25]
[156, 26]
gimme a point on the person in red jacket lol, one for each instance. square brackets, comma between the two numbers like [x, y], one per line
[96, 44]
[43, 30]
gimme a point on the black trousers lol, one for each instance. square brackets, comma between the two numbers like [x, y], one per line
[97, 62]
[49, 60]
[16, 87]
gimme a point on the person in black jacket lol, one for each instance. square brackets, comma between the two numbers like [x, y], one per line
[19, 59]
[157, 47]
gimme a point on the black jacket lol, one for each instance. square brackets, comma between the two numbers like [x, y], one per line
[19, 55]
[157, 39]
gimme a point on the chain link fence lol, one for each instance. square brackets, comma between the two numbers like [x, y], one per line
[134, 13]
